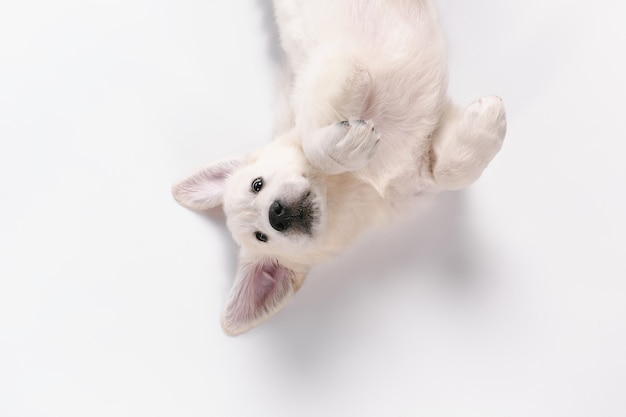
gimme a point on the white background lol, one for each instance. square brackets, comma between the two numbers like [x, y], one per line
[508, 299]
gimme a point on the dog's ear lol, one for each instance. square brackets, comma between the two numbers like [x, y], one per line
[205, 189]
[262, 288]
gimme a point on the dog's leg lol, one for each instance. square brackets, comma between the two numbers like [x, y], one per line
[466, 141]
[332, 98]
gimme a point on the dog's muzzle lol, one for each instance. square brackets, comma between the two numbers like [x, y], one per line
[296, 216]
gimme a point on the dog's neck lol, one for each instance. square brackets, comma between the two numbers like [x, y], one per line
[353, 206]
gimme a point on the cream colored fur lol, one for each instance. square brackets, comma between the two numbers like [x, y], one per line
[364, 133]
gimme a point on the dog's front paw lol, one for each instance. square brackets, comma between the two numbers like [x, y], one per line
[354, 143]
[465, 147]
[343, 146]
[483, 127]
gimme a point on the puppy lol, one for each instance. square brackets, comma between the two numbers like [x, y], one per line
[364, 134]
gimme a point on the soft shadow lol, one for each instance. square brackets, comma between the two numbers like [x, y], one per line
[439, 240]
[271, 30]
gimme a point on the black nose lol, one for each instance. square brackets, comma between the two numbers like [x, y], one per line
[279, 216]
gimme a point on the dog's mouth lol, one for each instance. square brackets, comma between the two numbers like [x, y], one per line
[295, 217]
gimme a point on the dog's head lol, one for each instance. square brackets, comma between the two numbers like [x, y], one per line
[275, 209]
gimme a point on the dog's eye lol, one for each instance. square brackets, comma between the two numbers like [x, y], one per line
[261, 237]
[257, 184]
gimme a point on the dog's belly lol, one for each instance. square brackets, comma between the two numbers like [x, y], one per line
[400, 45]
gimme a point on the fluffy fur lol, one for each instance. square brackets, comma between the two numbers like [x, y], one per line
[364, 133]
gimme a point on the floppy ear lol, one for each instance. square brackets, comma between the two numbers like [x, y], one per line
[205, 189]
[262, 288]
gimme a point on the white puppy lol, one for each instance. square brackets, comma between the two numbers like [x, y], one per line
[364, 132]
